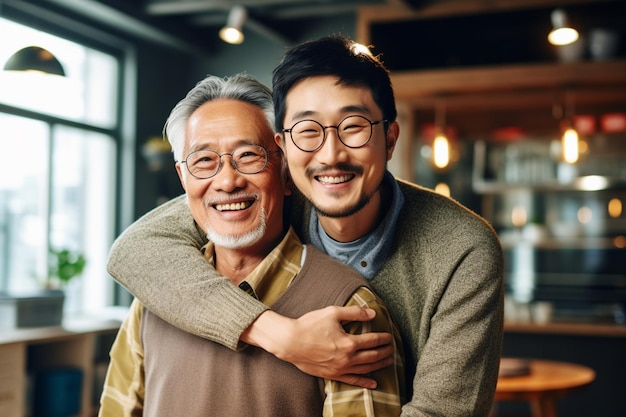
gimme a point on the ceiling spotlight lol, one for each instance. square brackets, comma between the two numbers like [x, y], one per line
[34, 58]
[233, 31]
[561, 33]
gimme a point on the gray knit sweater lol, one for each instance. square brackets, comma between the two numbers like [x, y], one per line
[443, 285]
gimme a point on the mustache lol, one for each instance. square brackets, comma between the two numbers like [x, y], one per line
[229, 198]
[349, 168]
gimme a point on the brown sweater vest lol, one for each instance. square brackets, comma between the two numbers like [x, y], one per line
[188, 376]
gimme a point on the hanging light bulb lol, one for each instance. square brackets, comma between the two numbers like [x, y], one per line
[562, 33]
[441, 151]
[570, 140]
[441, 144]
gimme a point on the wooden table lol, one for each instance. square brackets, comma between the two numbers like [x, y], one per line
[546, 382]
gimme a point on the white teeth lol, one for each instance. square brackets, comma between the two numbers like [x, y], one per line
[233, 206]
[334, 180]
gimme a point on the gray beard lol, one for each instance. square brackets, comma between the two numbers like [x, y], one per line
[238, 241]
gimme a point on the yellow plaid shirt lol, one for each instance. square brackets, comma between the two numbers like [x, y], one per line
[123, 391]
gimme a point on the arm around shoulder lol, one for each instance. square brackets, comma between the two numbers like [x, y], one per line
[158, 259]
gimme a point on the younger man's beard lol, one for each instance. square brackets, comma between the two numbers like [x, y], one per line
[344, 213]
[349, 211]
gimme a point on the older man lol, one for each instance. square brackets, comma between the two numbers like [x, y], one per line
[235, 183]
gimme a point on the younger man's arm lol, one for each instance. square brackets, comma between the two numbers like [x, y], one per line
[158, 260]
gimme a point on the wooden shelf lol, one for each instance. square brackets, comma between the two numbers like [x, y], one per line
[585, 77]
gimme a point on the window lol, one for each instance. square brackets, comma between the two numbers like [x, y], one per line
[58, 169]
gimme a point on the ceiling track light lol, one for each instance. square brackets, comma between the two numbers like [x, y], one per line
[562, 33]
[233, 31]
[34, 58]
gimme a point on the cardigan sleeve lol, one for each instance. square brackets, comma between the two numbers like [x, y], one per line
[153, 254]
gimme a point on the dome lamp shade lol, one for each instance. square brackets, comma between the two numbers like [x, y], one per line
[34, 58]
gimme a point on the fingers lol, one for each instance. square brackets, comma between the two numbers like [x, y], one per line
[365, 363]
[318, 345]
[353, 313]
[371, 356]
[368, 368]
[372, 341]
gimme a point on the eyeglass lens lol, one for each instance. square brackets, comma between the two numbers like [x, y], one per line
[247, 159]
[353, 131]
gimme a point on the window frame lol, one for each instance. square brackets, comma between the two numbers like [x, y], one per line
[123, 132]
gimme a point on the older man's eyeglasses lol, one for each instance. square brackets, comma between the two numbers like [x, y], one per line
[353, 131]
[246, 159]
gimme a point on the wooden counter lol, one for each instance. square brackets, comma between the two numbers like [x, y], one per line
[567, 328]
[24, 352]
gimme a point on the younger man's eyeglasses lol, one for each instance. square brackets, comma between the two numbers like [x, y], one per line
[353, 131]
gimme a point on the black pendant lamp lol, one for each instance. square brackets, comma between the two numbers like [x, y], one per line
[34, 58]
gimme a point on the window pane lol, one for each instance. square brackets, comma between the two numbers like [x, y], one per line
[83, 209]
[23, 202]
[88, 92]
[58, 183]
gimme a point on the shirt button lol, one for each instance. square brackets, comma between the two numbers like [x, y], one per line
[363, 264]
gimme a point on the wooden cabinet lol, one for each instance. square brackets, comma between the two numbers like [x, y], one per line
[26, 354]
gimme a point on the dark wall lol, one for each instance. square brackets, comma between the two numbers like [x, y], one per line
[164, 77]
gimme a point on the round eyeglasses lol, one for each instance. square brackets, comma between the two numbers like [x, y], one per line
[353, 131]
[246, 159]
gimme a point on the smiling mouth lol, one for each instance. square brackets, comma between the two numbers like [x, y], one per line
[325, 179]
[242, 205]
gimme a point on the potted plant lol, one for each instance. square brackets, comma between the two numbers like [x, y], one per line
[43, 308]
[63, 266]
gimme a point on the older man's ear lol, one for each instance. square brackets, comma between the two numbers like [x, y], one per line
[181, 175]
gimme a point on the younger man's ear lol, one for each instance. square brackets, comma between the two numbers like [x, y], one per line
[391, 138]
[278, 138]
